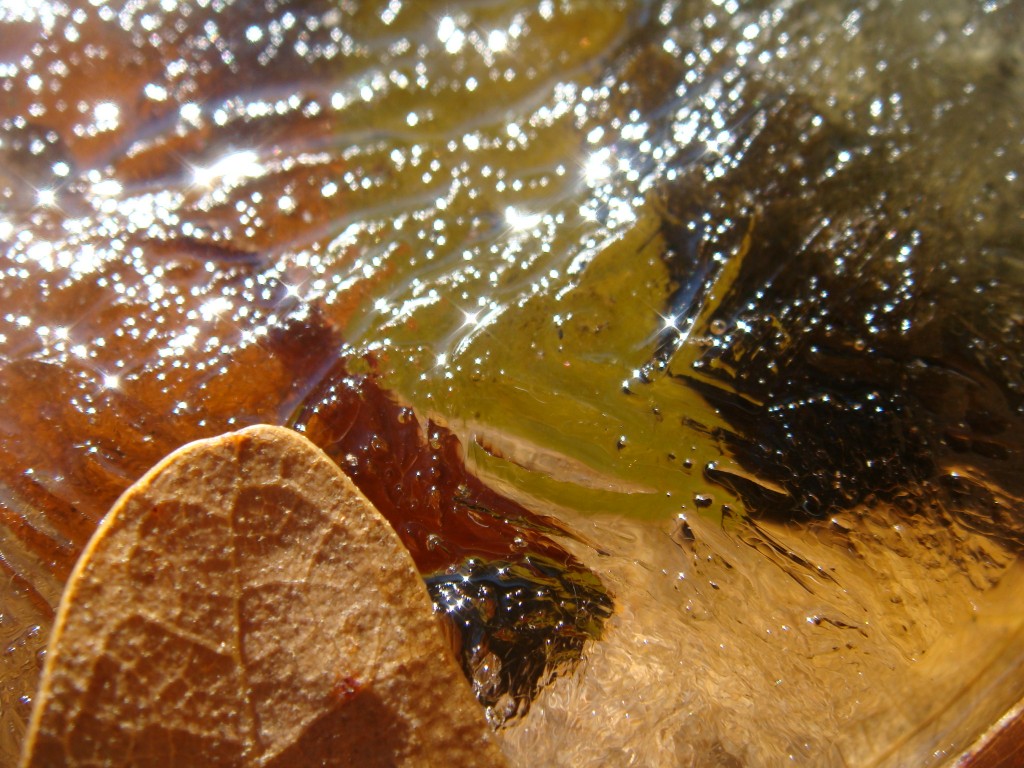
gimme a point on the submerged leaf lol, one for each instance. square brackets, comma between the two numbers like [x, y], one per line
[244, 604]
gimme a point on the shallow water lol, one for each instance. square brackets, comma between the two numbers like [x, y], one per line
[727, 291]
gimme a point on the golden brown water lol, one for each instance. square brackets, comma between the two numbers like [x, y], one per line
[729, 291]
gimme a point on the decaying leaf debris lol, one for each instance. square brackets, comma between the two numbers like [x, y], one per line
[244, 604]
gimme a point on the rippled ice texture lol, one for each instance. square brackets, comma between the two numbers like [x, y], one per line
[732, 290]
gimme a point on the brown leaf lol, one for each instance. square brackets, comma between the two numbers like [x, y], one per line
[244, 604]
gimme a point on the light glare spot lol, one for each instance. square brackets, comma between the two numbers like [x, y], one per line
[520, 221]
[107, 115]
[229, 169]
[214, 308]
[445, 28]
[455, 42]
[497, 41]
[190, 113]
[449, 34]
[106, 188]
[596, 168]
[155, 92]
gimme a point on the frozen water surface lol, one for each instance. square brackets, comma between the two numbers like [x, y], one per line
[686, 334]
